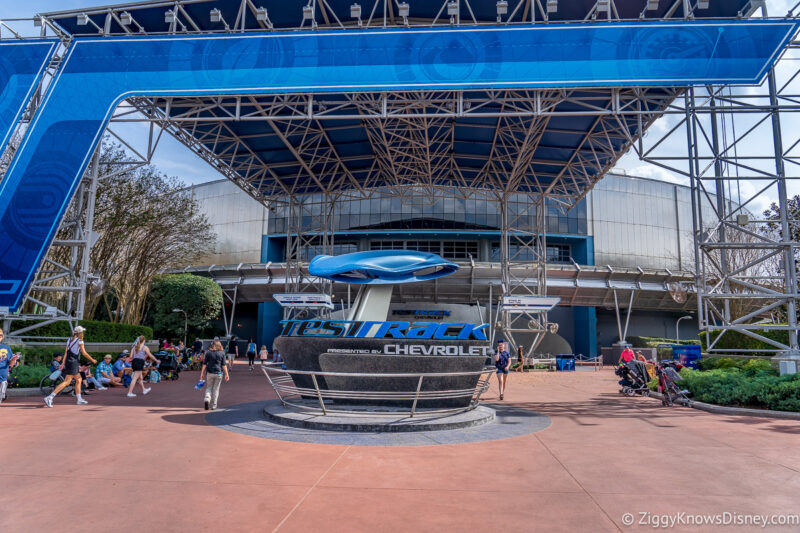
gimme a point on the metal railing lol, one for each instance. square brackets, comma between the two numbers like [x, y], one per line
[281, 381]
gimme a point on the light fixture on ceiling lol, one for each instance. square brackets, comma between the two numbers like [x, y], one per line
[452, 8]
[502, 8]
[403, 9]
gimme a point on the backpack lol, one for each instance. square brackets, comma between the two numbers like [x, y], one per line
[155, 376]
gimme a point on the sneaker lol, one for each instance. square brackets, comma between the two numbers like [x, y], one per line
[131, 395]
[145, 391]
[48, 401]
[82, 402]
[102, 388]
[205, 405]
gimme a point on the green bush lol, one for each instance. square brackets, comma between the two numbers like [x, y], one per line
[200, 297]
[733, 340]
[653, 342]
[96, 330]
[754, 383]
[27, 375]
[43, 355]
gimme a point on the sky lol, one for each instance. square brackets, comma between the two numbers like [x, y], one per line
[174, 159]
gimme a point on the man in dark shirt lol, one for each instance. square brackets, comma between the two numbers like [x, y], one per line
[501, 362]
[233, 351]
[213, 365]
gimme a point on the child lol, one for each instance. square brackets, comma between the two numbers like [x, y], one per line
[263, 354]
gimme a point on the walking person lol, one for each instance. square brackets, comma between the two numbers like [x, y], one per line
[70, 366]
[233, 351]
[139, 354]
[7, 359]
[501, 362]
[214, 367]
[263, 354]
[251, 353]
[521, 359]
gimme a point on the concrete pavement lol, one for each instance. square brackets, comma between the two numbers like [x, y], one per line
[152, 463]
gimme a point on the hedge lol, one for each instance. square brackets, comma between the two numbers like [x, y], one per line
[756, 385]
[653, 342]
[43, 355]
[96, 330]
[733, 340]
[27, 376]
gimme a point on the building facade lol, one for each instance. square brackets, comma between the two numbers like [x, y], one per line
[623, 223]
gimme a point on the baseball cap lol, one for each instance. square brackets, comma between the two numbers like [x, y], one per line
[78, 329]
[499, 341]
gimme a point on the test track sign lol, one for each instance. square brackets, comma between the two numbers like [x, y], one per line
[530, 303]
[304, 300]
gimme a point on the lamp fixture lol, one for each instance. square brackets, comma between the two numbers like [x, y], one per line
[552, 6]
[125, 18]
[169, 16]
[83, 19]
[403, 9]
[502, 7]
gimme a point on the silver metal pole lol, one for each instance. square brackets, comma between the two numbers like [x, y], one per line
[790, 274]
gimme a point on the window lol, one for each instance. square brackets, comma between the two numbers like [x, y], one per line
[453, 250]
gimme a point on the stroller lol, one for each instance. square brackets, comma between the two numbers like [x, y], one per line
[634, 378]
[169, 367]
[668, 378]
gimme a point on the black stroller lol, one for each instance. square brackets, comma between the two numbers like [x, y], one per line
[634, 378]
[168, 367]
[668, 378]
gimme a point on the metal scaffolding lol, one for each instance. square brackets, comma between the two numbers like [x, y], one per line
[413, 145]
[741, 151]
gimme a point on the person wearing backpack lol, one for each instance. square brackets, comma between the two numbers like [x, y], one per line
[70, 366]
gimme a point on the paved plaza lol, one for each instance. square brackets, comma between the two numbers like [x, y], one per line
[154, 464]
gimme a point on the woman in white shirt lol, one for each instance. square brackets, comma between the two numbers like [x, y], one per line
[139, 354]
[70, 366]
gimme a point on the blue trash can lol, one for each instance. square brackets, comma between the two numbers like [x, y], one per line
[687, 354]
[565, 363]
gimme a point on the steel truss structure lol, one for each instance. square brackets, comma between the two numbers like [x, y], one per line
[741, 149]
[280, 148]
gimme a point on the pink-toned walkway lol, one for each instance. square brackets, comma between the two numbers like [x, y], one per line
[153, 464]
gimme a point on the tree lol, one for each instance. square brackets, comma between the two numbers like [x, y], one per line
[199, 297]
[793, 211]
[147, 223]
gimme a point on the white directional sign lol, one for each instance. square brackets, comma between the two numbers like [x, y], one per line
[303, 299]
[530, 303]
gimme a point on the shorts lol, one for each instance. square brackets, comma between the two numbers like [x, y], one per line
[137, 365]
[502, 371]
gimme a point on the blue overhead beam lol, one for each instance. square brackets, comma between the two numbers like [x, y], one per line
[21, 67]
[98, 73]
